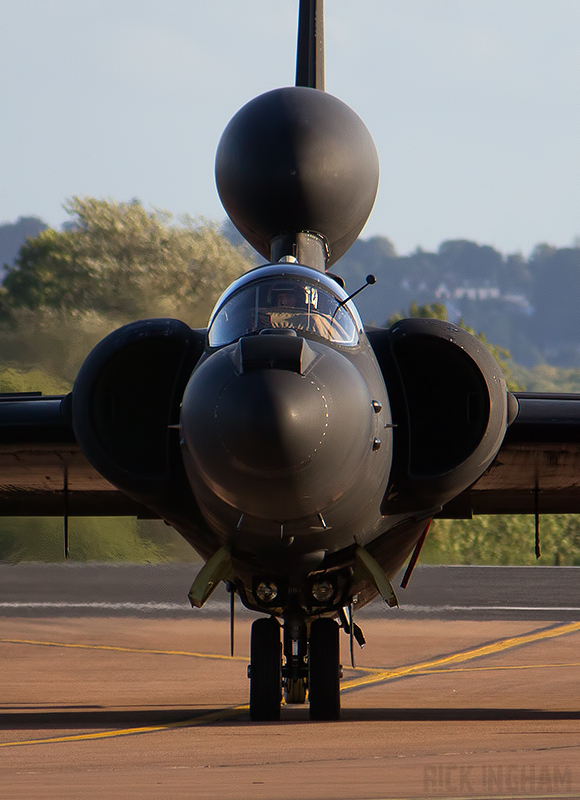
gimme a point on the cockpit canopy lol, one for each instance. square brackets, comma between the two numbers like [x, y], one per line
[291, 298]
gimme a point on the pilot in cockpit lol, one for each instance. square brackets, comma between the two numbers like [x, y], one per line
[286, 296]
[283, 303]
[294, 305]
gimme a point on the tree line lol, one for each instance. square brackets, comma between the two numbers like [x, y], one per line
[112, 263]
[527, 305]
[115, 262]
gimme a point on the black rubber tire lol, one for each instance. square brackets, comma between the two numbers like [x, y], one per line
[324, 670]
[265, 670]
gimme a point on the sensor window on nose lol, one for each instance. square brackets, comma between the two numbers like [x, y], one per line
[273, 352]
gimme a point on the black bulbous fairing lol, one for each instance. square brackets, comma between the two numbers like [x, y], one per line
[297, 160]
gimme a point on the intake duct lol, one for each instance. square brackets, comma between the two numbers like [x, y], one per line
[127, 392]
[450, 404]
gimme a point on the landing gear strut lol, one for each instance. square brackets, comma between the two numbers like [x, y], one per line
[295, 670]
[312, 663]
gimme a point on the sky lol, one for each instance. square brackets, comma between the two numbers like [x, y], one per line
[473, 105]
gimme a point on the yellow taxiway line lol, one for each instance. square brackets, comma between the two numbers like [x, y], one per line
[465, 655]
[498, 668]
[203, 719]
[125, 649]
[376, 676]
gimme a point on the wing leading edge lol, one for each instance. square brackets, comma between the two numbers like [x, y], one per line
[44, 473]
[42, 469]
[537, 469]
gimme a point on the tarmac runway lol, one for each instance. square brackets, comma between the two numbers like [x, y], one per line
[139, 698]
[76, 589]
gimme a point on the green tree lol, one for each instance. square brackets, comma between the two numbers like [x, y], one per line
[503, 539]
[121, 258]
[91, 539]
[545, 378]
[113, 263]
[35, 380]
[429, 310]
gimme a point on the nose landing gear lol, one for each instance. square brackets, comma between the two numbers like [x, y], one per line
[295, 669]
[265, 670]
[324, 670]
[312, 666]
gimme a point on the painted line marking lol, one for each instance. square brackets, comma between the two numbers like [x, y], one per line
[434, 609]
[204, 719]
[379, 676]
[149, 606]
[494, 669]
[141, 650]
[466, 655]
[218, 606]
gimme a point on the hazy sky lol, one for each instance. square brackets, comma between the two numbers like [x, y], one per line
[473, 105]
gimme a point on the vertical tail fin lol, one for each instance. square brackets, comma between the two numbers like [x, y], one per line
[310, 54]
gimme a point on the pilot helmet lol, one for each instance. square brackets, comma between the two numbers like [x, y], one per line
[289, 294]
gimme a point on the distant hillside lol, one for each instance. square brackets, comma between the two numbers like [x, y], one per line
[14, 234]
[529, 306]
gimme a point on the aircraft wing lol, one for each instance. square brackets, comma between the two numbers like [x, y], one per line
[44, 473]
[537, 469]
[42, 469]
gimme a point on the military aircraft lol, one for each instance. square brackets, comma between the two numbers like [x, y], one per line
[302, 455]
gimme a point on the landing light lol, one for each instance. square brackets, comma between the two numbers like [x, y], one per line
[323, 591]
[267, 592]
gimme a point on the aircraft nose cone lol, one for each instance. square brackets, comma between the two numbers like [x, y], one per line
[274, 442]
[272, 421]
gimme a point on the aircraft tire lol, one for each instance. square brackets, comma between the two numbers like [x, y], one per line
[265, 670]
[324, 670]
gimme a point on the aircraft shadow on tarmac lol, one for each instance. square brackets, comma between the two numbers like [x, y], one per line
[80, 717]
[94, 717]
